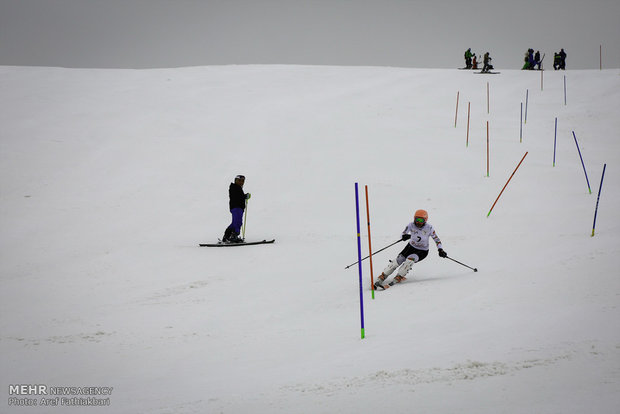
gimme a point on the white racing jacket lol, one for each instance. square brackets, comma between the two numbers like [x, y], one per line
[420, 236]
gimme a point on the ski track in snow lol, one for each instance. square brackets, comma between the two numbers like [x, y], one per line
[177, 294]
[94, 337]
[382, 380]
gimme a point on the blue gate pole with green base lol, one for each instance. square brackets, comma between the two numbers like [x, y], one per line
[359, 256]
[555, 138]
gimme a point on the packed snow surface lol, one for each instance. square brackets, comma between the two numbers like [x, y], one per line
[109, 179]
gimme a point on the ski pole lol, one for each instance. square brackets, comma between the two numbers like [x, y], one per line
[245, 216]
[380, 250]
[462, 264]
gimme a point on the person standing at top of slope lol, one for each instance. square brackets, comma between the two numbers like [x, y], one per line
[417, 232]
[487, 63]
[530, 59]
[556, 61]
[562, 59]
[468, 55]
[237, 200]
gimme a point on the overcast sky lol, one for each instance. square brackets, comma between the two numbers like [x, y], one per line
[405, 33]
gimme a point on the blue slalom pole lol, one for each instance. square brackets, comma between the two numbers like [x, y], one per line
[521, 125]
[597, 199]
[555, 138]
[359, 256]
[582, 164]
[527, 93]
[564, 90]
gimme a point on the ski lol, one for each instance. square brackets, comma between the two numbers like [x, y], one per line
[222, 244]
[489, 73]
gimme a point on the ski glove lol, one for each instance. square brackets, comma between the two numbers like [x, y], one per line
[442, 253]
[247, 196]
[406, 237]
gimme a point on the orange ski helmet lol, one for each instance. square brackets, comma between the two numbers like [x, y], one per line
[420, 214]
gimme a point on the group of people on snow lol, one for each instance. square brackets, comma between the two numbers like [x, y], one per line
[532, 60]
[559, 60]
[471, 61]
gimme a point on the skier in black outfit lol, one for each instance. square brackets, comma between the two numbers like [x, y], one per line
[562, 59]
[237, 199]
[487, 63]
[559, 60]
[530, 59]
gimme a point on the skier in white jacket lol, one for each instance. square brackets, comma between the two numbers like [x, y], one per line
[417, 232]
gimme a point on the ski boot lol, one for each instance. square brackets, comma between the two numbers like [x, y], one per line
[234, 238]
[227, 234]
[397, 279]
[378, 283]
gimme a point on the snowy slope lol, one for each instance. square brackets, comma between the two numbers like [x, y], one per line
[110, 178]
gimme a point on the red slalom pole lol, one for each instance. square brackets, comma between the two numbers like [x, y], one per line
[372, 282]
[487, 148]
[488, 104]
[505, 185]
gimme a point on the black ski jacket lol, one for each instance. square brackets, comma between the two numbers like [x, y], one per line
[237, 196]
